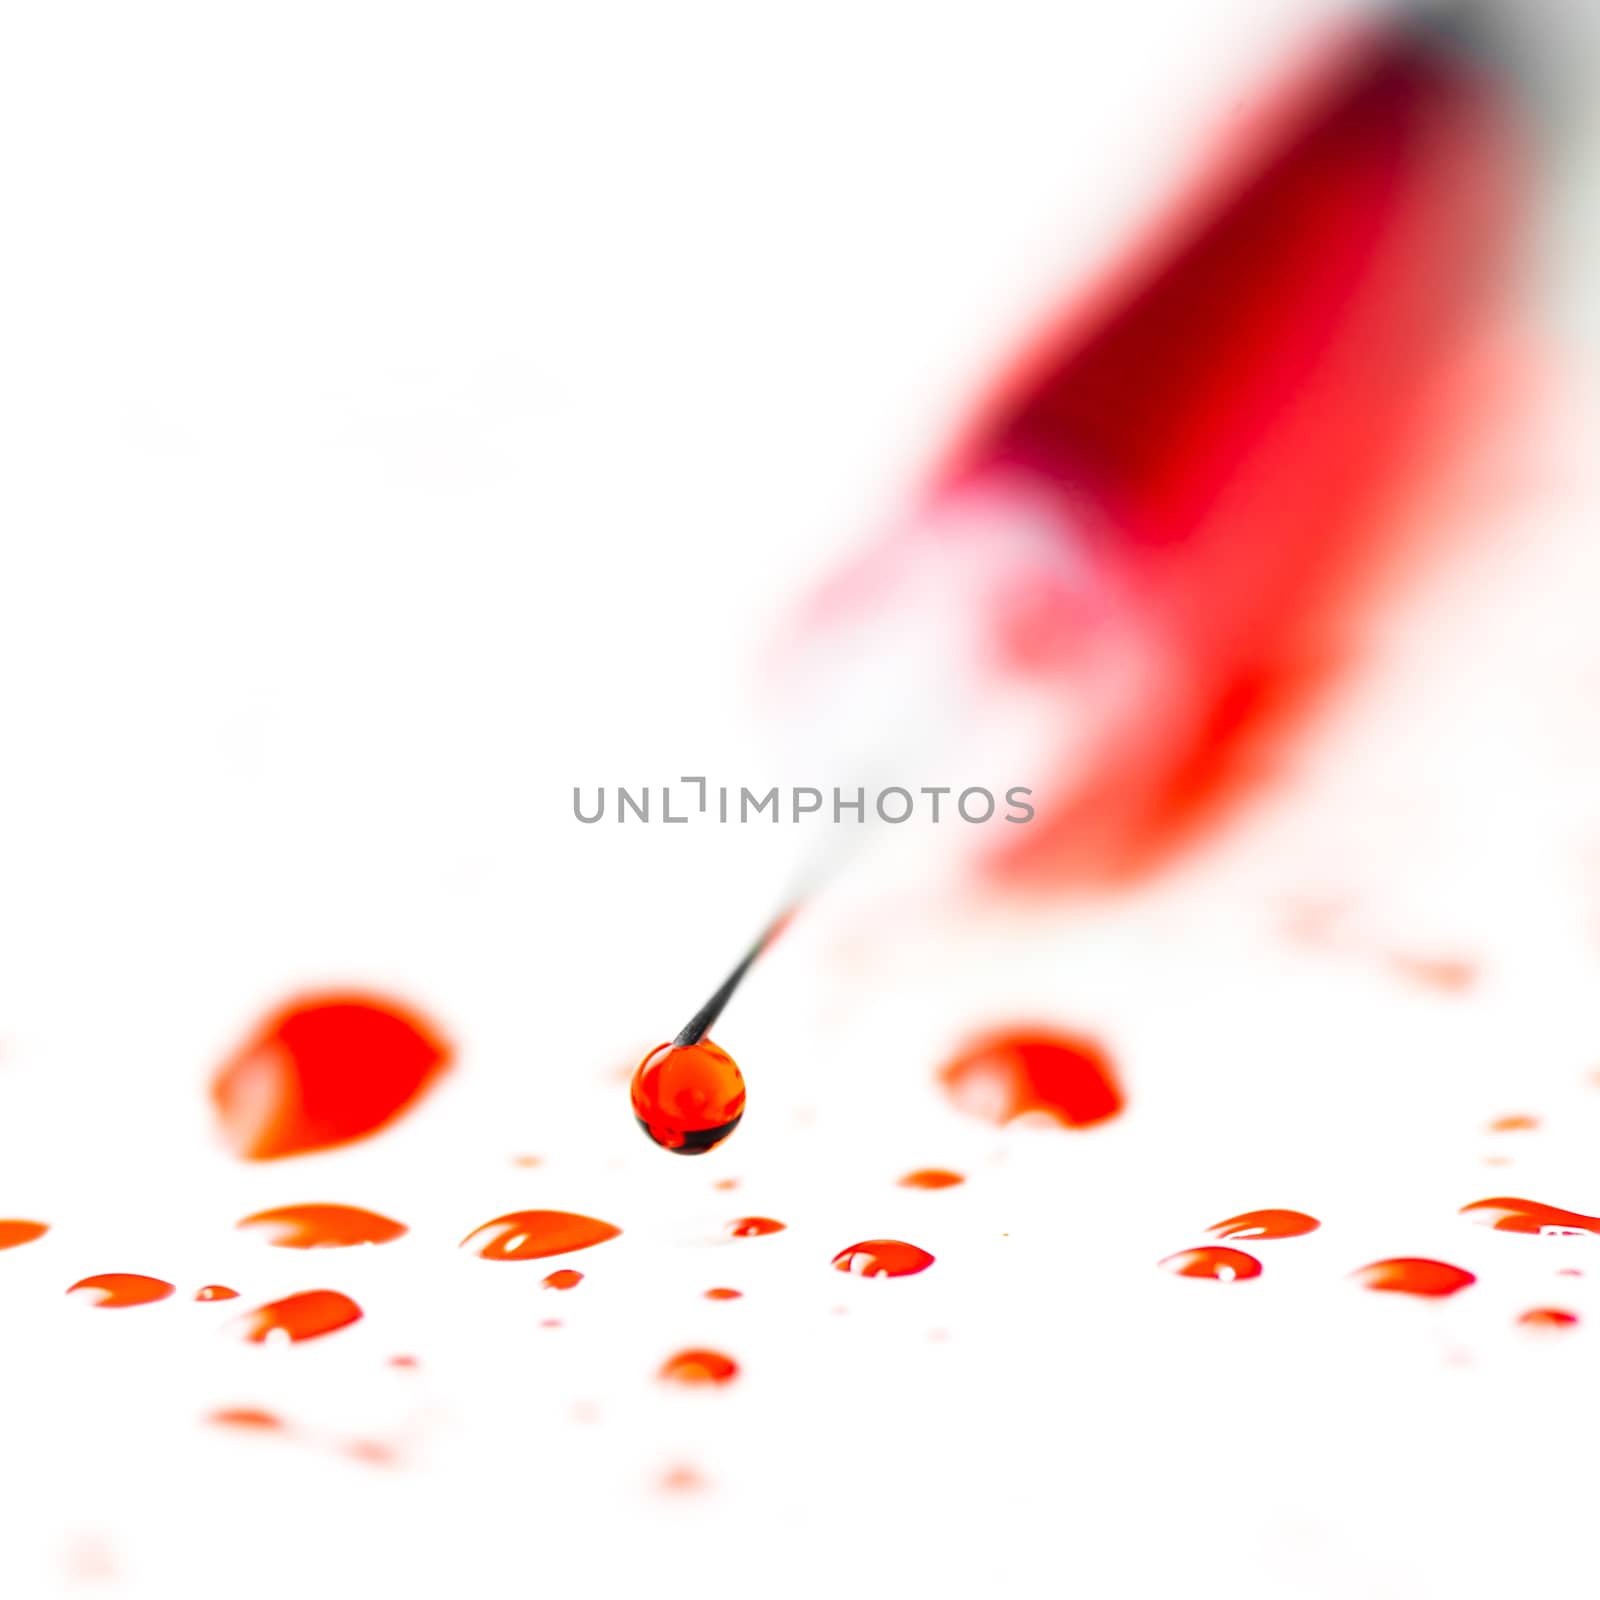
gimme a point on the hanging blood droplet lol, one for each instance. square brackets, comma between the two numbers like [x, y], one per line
[563, 1278]
[116, 1289]
[1008, 1073]
[1414, 1275]
[325, 1070]
[1548, 1319]
[688, 1098]
[724, 1294]
[882, 1258]
[530, 1235]
[321, 1227]
[14, 1231]
[307, 1315]
[1212, 1261]
[931, 1178]
[1506, 1214]
[1265, 1225]
[216, 1291]
[699, 1366]
[754, 1227]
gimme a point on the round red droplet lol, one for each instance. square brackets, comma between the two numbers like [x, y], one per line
[1506, 1214]
[216, 1291]
[688, 1098]
[1005, 1074]
[1413, 1275]
[322, 1227]
[325, 1070]
[1266, 1225]
[563, 1278]
[530, 1235]
[699, 1366]
[882, 1258]
[14, 1231]
[1212, 1261]
[308, 1315]
[724, 1294]
[754, 1227]
[113, 1290]
[931, 1178]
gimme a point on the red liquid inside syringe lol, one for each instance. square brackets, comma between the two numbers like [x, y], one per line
[1150, 510]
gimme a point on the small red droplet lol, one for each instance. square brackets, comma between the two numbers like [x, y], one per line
[1449, 974]
[308, 1315]
[681, 1480]
[1546, 1317]
[216, 1291]
[563, 1278]
[324, 1070]
[1506, 1214]
[1568, 1272]
[1413, 1275]
[525, 1161]
[724, 1294]
[754, 1227]
[931, 1178]
[1005, 1074]
[688, 1098]
[115, 1289]
[726, 1183]
[530, 1235]
[551, 1322]
[1516, 1122]
[699, 1366]
[14, 1231]
[1265, 1225]
[1212, 1261]
[322, 1227]
[246, 1417]
[882, 1258]
[405, 1363]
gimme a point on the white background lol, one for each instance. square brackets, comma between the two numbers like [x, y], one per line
[409, 412]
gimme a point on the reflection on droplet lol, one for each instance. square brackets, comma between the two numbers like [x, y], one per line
[297, 1317]
[117, 1289]
[530, 1235]
[882, 1258]
[321, 1227]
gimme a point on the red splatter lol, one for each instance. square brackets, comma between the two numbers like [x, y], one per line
[1212, 1261]
[688, 1098]
[530, 1235]
[882, 1258]
[754, 1227]
[117, 1289]
[931, 1178]
[13, 1232]
[322, 1227]
[1414, 1275]
[1508, 1215]
[1004, 1074]
[324, 1070]
[1449, 974]
[1546, 1318]
[699, 1366]
[563, 1278]
[1265, 1225]
[296, 1317]
[246, 1417]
